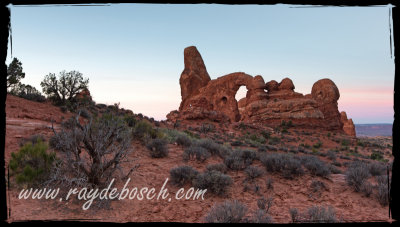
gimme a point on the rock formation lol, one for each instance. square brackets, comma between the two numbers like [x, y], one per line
[267, 103]
[194, 76]
[348, 126]
[84, 94]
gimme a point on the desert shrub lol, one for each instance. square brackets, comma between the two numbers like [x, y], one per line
[221, 167]
[265, 134]
[345, 142]
[214, 181]
[206, 128]
[212, 147]
[294, 215]
[283, 163]
[382, 195]
[265, 204]
[320, 214]
[271, 148]
[293, 150]
[32, 163]
[261, 217]
[334, 170]
[84, 113]
[317, 145]
[382, 190]
[182, 175]
[335, 163]
[315, 166]
[143, 130]
[227, 212]
[240, 159]
[274, 140]
[317, 186]
[63, 109]
[237, 143]
[234, 162]
[183, 140]
[253, 172]
[270, 183]
[92, 152]
[257, 139]
[32, 139]
[130, 120]
[249, 156]
[366, 188]
[173, 135]
[331, 155]
[195, 152]
[28, 92]
[356, 174]
[262, 148]
[376, 169]
[376, 156]
[158, 148]
[292, 169]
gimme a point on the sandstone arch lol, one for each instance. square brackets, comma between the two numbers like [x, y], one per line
[266, 103]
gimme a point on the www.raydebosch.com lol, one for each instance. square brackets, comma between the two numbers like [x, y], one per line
[108, 193]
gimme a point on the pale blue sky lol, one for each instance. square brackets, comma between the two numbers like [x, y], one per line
[133, 53]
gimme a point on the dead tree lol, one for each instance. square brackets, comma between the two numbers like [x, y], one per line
[92, 151]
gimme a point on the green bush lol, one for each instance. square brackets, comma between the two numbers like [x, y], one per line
[144, 131]
[130, 120]
[31, 164]
[345, 142]
[257, 139]
[376, 156]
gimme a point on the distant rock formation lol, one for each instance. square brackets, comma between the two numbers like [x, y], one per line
[266, 103]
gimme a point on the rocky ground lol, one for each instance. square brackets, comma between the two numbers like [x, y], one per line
[26, 118]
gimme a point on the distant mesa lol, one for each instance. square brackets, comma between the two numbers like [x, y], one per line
[265, 103]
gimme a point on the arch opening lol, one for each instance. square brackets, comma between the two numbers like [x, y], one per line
[240, 98]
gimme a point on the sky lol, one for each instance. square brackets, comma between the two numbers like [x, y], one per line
[133, 53]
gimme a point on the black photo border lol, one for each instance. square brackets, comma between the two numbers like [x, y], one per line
[6, 36]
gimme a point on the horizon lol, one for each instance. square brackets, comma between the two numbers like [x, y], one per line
[137, 50]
